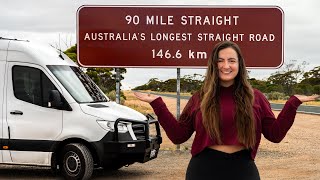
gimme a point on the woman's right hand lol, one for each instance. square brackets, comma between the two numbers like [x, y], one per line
[304, 98]
[146, 97]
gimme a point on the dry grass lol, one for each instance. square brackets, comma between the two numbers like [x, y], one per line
[136, 104]
[145, 108]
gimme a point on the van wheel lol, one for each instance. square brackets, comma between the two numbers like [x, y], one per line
[77, 161]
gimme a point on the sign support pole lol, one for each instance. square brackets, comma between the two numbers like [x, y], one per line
[178, 100]
[118, 85]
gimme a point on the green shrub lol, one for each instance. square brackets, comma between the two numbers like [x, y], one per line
[276, 96]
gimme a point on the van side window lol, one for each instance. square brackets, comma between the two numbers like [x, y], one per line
[31, 85]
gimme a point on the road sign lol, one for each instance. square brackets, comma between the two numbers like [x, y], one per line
[177, 36]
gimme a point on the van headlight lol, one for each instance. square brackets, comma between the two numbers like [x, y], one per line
[109, 126]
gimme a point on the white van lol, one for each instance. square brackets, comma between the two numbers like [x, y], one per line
[52, 114]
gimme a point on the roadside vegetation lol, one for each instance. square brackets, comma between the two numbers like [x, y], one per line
[278, 87]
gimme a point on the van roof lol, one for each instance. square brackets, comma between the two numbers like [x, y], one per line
[35, 52]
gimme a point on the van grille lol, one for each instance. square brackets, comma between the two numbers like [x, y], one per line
[139, 130]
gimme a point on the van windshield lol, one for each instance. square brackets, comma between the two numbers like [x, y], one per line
[78, 84]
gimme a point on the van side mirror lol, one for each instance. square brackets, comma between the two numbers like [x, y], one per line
[55, 99]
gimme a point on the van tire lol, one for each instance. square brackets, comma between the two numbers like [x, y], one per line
[76, 161]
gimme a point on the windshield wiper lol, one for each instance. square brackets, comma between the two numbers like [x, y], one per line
[90, 86]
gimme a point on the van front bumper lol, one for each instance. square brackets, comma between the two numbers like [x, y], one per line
[120, 148]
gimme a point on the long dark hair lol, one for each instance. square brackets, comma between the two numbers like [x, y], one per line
[243, 95]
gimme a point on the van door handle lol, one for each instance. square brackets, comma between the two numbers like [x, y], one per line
[16, 112]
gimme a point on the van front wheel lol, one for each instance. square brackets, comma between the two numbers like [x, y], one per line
[77, 161]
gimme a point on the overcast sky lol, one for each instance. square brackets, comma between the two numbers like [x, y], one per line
[44, 20]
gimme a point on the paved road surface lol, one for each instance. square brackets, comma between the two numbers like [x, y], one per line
[301, 109]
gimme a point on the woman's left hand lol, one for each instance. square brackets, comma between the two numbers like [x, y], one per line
[304, 98]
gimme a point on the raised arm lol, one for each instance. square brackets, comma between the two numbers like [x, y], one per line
[275, 129]
[177, 131]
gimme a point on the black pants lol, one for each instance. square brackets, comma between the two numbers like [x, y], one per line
[213, 164]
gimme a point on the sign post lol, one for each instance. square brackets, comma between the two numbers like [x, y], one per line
[118, 85]
[178, 99]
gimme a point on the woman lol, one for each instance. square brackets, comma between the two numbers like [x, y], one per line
[228, 117]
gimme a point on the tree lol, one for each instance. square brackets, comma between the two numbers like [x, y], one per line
[188, 83]
[72, 53]
[154, 84]
[105, 78]
[287, 80]
[288, 76]
[169, 85]
[312, 77]
[303, 89]
[259, 84]
[316, 89]
[296, 68]
[191, 83]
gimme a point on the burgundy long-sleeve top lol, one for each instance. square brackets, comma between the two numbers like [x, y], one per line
[273, 129]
